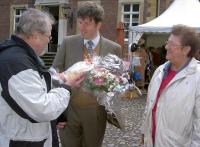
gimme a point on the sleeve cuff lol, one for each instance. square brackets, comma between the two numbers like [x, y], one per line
[67, 87]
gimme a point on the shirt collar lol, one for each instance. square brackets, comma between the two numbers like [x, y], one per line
[95, 41]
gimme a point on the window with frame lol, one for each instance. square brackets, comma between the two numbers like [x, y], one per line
[17, 13]
[130, 17]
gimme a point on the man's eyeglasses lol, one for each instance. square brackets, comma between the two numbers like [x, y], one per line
[173, 44]
[50, 37]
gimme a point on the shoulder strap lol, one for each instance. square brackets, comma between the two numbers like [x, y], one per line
[16, 107]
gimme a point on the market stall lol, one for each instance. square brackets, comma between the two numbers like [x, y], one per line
[185, 12]
[156, 31]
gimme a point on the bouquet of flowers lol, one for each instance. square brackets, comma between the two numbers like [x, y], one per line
[107, 81]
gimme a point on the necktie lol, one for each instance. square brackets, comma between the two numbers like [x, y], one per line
[90, 50]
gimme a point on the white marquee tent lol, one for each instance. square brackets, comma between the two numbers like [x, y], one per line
[185, 12]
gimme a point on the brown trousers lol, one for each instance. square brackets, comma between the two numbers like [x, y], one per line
[85, 127]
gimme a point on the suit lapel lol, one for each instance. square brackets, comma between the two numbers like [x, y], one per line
[76, 50]
[102, 47]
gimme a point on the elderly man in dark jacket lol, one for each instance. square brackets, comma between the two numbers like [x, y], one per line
[28, 105]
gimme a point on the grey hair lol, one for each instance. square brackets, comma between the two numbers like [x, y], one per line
[189, 37]
[33, 20]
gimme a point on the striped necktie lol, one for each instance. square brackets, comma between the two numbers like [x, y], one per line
[90, 49]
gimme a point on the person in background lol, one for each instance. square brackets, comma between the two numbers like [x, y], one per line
[85, 118]
[149, 66]
[172, 115]
[28, 105]
[197, 56]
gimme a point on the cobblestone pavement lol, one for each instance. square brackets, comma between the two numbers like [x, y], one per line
[131, 136]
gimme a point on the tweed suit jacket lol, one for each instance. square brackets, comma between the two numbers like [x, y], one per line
[71, 51]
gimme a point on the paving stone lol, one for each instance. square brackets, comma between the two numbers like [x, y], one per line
[114, 137]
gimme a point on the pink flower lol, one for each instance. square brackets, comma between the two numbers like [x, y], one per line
[99, 81]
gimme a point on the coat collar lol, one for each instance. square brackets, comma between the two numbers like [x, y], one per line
[190, 68]
[17, 41]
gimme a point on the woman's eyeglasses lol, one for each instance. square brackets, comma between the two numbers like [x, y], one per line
[173, 44]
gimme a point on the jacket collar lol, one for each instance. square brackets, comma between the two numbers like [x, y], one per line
[189, 68]
[20, 42]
